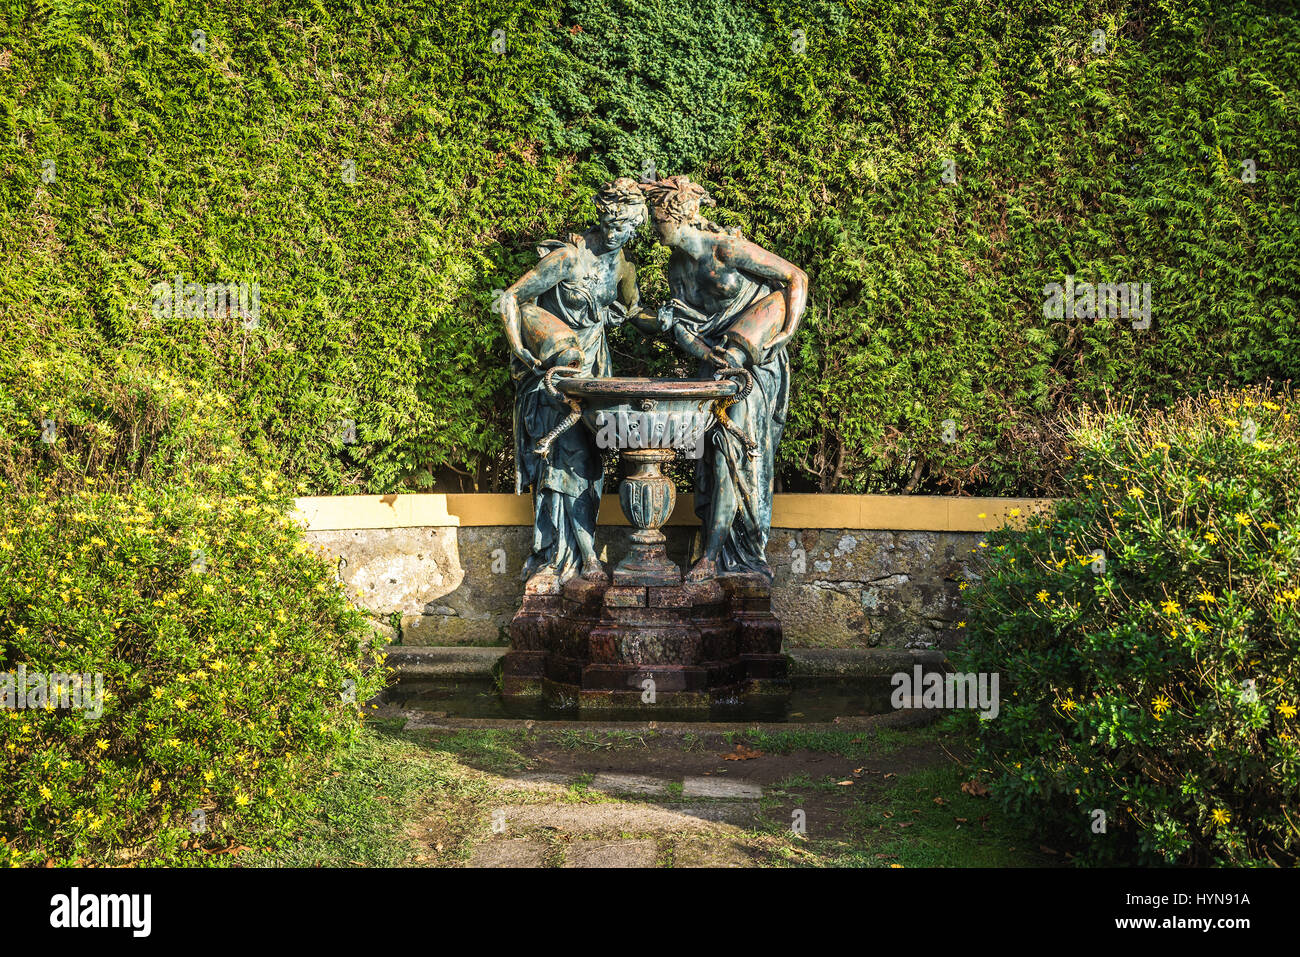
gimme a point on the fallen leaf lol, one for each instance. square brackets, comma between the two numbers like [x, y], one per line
[906, 823]
[960, 820]
[940, 801]
[842, 783]
[891, 774]
[1045, 849]
[743, 753]
[975, 788]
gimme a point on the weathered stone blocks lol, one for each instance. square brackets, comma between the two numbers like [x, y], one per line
[834, 588]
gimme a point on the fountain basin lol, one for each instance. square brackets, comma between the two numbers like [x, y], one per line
[641, 413]
[647, 421]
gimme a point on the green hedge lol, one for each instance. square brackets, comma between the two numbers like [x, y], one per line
[142, 548]
[1147, 638]
[229, 160]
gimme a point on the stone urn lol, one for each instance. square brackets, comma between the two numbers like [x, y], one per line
[648, 422]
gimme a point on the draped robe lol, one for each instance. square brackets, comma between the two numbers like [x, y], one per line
[727, 473]
[567, 486]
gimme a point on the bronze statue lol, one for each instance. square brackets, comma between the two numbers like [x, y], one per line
[734, 307]
[555, 317]
[577, 638]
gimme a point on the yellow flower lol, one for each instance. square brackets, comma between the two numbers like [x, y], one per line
[1286, 710]
[1211, 537]
[1135, 493]
[1015, 512]
[101, 744]
[1242, 518]
[1042, 596]
[1069, 704]
[1161, 704]
[1221, 816]
[1205, 598]
[46, 792]
[1170, 607]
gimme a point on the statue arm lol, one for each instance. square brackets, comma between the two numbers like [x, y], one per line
[628, 301]
[554, 268]
[628, 293]
[749, 257]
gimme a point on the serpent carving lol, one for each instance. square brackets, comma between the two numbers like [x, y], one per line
[569, 421]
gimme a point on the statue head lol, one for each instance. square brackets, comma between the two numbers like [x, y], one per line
[675, 206]
[621, 209]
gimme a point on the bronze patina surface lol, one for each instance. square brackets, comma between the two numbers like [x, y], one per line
[647, 635]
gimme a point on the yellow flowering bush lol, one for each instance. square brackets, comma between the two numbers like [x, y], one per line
[225, 659]
[1158, 682]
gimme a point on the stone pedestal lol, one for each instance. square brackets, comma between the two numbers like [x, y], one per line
[646, 644]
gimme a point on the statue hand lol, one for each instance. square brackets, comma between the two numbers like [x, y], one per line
[729, 357]
[667, 317]
[617, 313]
[682, 307]
[778, 341]
[528, 359]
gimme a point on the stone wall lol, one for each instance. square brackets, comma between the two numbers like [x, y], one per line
[835, 588]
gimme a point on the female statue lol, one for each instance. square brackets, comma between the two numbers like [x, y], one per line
[735, 306]
[555, 318]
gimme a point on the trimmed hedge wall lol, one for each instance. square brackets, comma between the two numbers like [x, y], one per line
[379, 170]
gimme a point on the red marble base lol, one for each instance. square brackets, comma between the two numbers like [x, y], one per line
[684, 645]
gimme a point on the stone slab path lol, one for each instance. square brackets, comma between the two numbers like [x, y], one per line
[694, 827]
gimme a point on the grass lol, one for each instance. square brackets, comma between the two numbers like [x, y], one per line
[359, 811]
[415, 798]
[853, 745]
[908, 827]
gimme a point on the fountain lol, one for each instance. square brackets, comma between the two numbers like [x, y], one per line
[647, 634]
